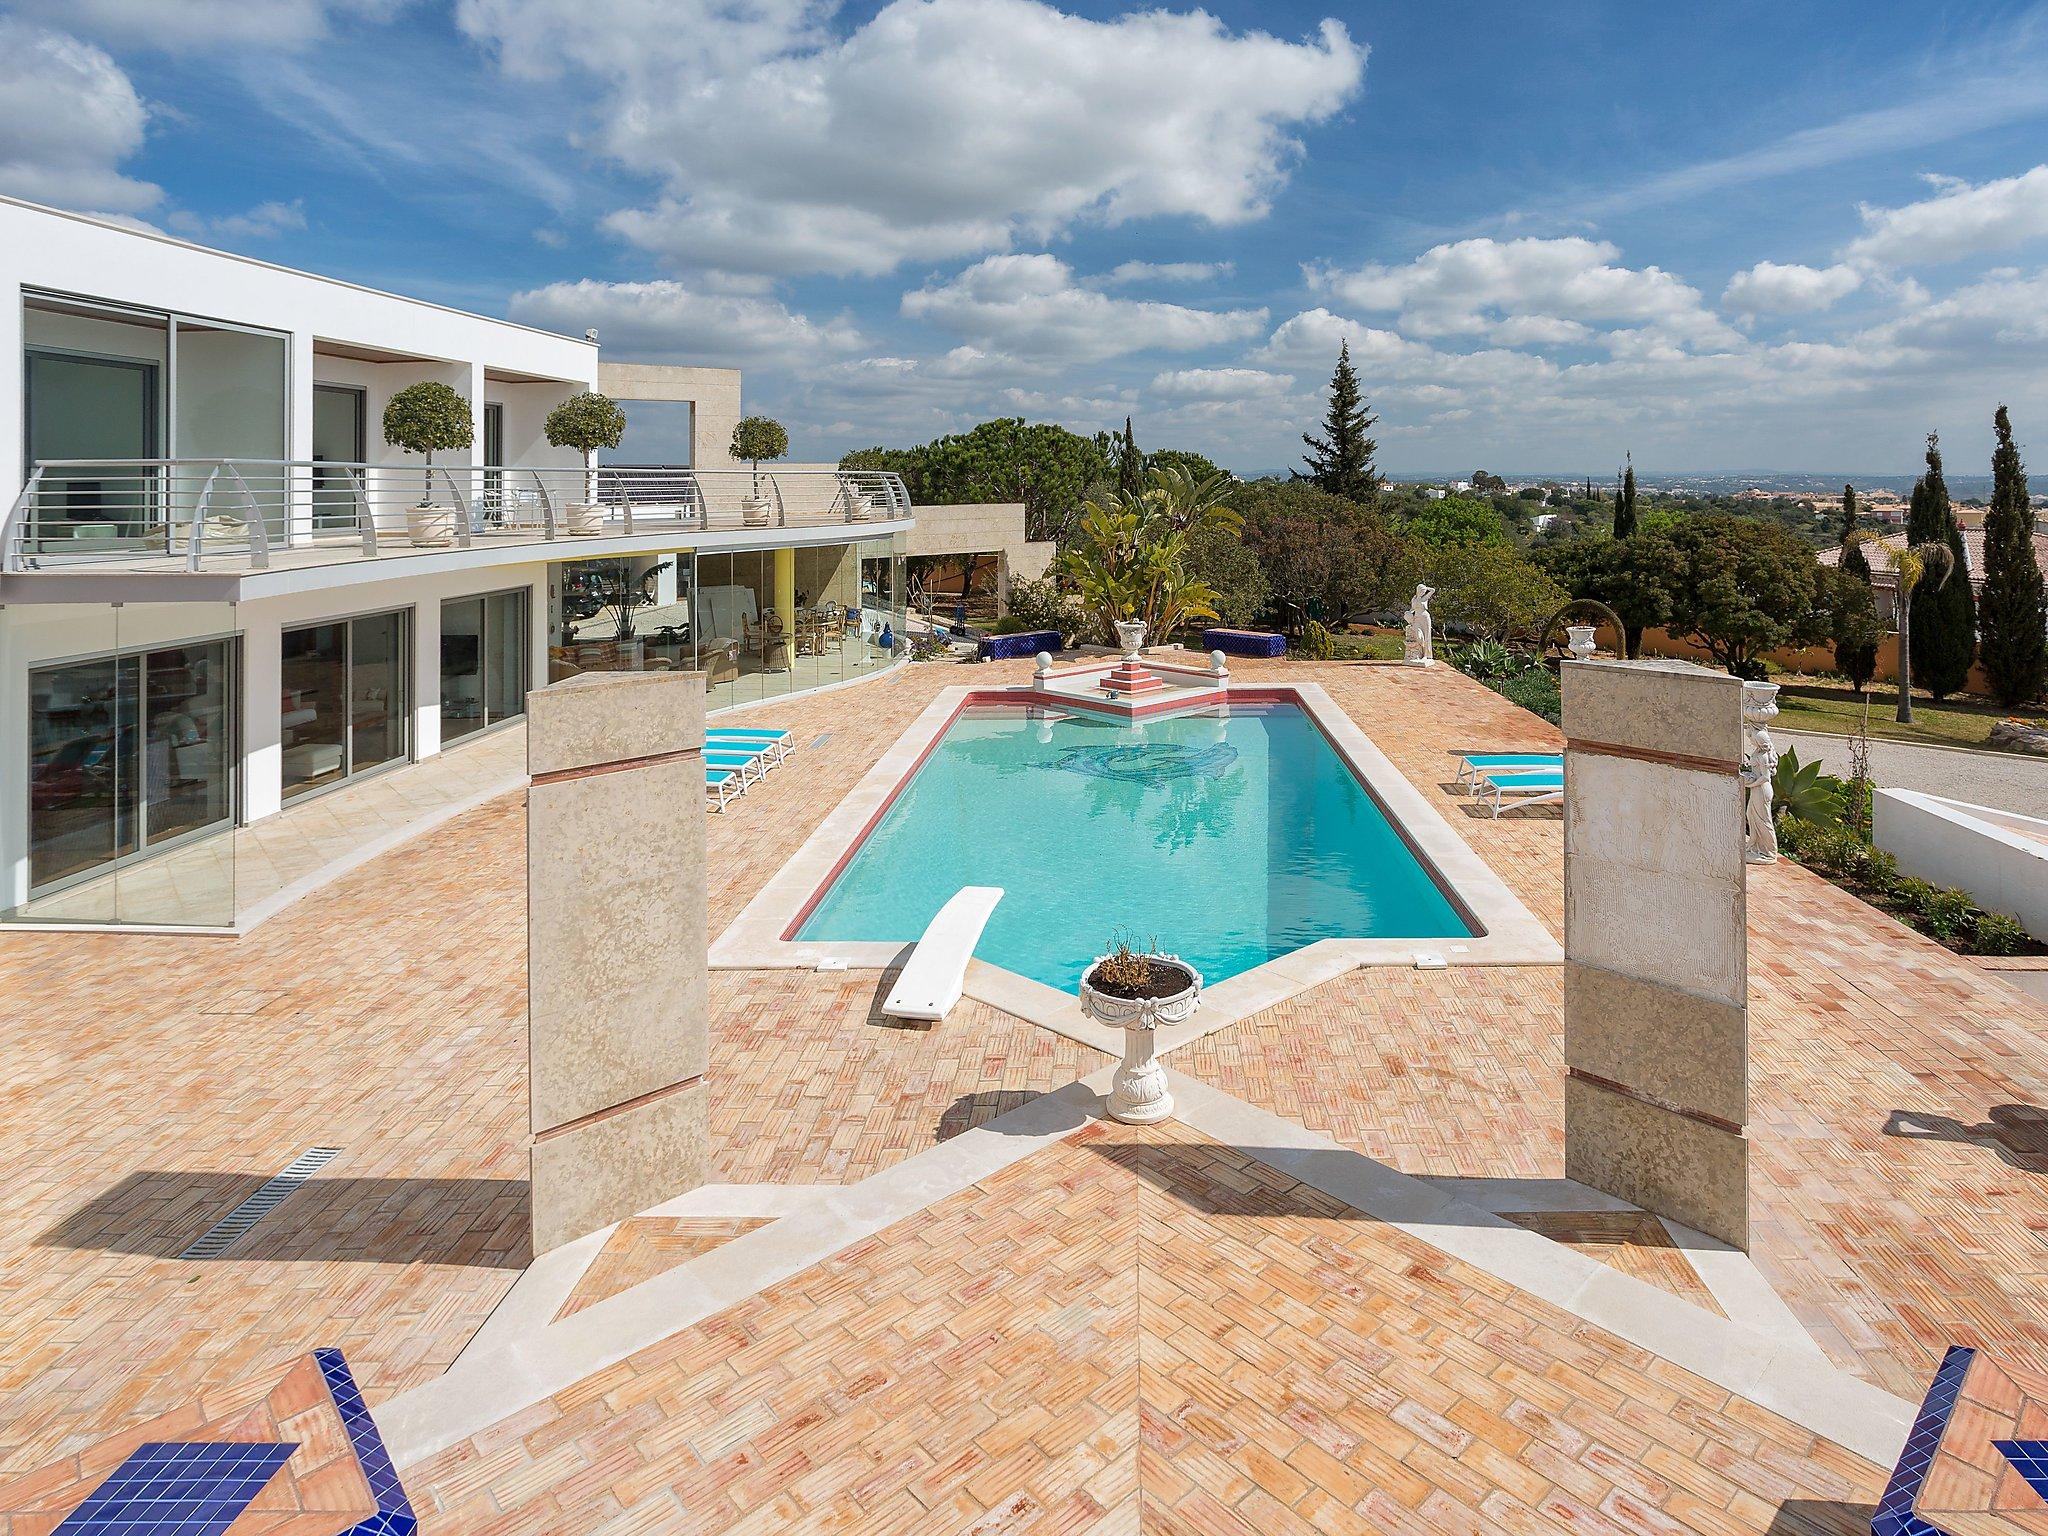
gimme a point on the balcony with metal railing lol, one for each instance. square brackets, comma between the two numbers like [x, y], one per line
[234, 515]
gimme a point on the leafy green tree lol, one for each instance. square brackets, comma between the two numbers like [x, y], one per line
[586, 422]
[424, 417]
[1628, 575]
[1196, 464]
[1625, 503]
[1129, 560]
[1852, 518]
[1911, 567]
[1456, 520]
[1046, 467]
[1341, 460]
[1491, 590]
[1740, 587]
[1222, 561]
[1944, 618]
[2014, 640]
[758, 438]
[1854, 626]
[1324, 556]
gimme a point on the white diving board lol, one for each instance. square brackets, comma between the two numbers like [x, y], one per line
[931, 982]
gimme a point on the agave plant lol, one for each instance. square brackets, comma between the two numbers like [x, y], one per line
[1486, 660]
[1802, 790]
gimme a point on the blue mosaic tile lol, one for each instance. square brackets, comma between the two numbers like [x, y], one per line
[394, 1516]
[2030, 1460]
[178, 1488]
[1895, 1516]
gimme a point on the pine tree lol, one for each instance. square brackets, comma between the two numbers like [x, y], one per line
[1625, 503]
[1340, 461]
[1944, 631]
[1858, 663]
[2015, 643]
[1130, 465]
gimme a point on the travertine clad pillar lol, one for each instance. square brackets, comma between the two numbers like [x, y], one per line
[1656, 1023]
[616, 998]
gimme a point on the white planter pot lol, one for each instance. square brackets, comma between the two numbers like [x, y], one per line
[755, 512]
[1138, 1091]
[1580, 641]
[430, 526]
[585, 517]
[1130, 638]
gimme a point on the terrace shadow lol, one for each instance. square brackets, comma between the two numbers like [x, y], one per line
[159, 1213]
[1821, 1517]
[977, 1109]
[2017, 1133]
[1194, 1175]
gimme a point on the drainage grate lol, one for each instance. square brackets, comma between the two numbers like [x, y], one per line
[820, 741]
[226, 1232]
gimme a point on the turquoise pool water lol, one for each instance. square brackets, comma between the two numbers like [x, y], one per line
[1230, 841]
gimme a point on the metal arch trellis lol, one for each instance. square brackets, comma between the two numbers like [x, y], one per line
[1591, 605]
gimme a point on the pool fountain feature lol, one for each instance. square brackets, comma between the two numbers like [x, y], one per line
[1134, 687]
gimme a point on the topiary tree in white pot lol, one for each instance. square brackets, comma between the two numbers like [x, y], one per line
[419, 419]
[586, 422]
[755, 439]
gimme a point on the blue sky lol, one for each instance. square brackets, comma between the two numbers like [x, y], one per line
[1740, 236]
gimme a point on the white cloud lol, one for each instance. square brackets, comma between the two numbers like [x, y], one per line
[1125, 273]
[1311, 339]
[937, 129]
[1960, 220]
[265, 221]
[68, 117]
[192, 25]
[2006, 311]
[1468, 286]
[1537, 331]
[666, 321]
[1772, 288]
[1220, 384]
[1032, 306]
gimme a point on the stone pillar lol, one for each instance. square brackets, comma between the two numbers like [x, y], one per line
[616, 1006]
[1656, 1022]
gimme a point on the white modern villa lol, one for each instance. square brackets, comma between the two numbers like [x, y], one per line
[222, 593]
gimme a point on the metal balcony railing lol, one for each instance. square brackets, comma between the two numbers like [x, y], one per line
[203, 512]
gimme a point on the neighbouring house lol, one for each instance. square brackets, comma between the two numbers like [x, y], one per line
[1884, 581]
[222, 594]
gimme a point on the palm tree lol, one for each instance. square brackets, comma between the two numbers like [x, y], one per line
[1911, 565]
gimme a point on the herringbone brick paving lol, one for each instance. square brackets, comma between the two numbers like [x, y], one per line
[1140, 1330]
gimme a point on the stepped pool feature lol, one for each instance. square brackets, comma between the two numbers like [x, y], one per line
[1232, 837]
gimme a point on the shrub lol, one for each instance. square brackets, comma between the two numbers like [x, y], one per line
[1534, 690]
[1315, 643]
[586, 422]
[1010, 624]
[1997, 934]
[1042, 605]
[1947, 913]
[1488, 660]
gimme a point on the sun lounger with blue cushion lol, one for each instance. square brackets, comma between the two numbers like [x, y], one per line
[723, 785]
[749, 765]
[1541, 786]
[1473, 764]
[774, 742]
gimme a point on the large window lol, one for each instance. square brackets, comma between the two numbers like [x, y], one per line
[344, 701]
[483, 662]
[127, 754]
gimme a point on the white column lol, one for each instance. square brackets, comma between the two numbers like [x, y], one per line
[426, 678]
[299, 440]
[11, 443]
[262, 737]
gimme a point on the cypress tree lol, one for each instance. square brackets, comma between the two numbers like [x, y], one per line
[1625, 503]
[1944, 639]
[2015, 644]
[1858, 662]
[1130, 464]
[1341, 461]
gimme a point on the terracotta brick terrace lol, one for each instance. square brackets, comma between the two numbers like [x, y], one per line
[1122, 1329]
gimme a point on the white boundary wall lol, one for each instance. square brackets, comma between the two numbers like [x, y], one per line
[1999, 857]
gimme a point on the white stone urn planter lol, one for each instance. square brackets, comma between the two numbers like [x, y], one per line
[1579, 641]
[1130, 638]
[755, 512]
[584, 517]
[430, 526]
[1138, 1091]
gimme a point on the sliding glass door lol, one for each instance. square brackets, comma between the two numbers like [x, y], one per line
[345, 709]
[483, 662]
[127, 754]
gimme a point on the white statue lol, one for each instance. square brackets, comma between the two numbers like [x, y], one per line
[1420, 649]
[1759, 771]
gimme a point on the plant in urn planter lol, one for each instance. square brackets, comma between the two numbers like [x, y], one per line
[419, 419]
[586, 422]
[757, 438]
[1138, 992]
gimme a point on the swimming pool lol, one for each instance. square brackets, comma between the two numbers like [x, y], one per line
[1231, 840]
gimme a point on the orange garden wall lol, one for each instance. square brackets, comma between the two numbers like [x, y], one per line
[1807, 659]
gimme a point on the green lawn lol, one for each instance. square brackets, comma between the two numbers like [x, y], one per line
[1838, 711]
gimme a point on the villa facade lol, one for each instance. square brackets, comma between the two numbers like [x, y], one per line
[221, 592]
